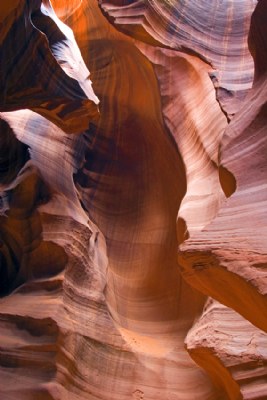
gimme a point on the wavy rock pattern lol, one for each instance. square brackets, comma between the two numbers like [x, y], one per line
[30, 73]
[196, 123]
[125, 154]
[95, 200]
[228, 250]
[216, 31]
[232, 350]
[76, 358]
[50, 149]
[149, 352]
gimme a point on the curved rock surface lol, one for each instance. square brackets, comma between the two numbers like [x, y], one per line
[216, 31]
[228, 249]
[30, 74]
[196, 122]
[100, 186]
[232, 350]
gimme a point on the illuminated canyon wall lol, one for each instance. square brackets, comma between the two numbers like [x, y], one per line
[133, 198]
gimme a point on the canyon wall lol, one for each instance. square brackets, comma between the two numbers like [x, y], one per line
[133, 200]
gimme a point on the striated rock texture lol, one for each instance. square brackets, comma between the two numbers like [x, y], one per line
[216, 31]
[30, 75]
[233, 352]
[101, 184]
[229, 246]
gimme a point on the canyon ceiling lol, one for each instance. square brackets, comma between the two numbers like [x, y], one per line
[133, 200]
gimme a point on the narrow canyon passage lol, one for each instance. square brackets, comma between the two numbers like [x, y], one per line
[134, 153]
[132, 184]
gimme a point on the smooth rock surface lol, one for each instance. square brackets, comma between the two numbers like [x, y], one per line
[232, 350]
[103, 181]
[232, 249]
[216, 31]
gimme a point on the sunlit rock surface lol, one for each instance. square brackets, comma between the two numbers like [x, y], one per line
[232, 350]
[104, 180]
[30, 74]
[216, 31]
[232, 248]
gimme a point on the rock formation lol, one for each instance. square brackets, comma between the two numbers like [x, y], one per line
[30, 74]
[237, 251]
[103, 182]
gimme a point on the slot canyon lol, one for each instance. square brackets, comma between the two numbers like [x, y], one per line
[133, 200]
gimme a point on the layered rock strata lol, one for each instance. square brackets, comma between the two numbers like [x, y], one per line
[228, 250]
[232, 350]
[30, 74]
[215, 31]
[97, 198]
[78, 312]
